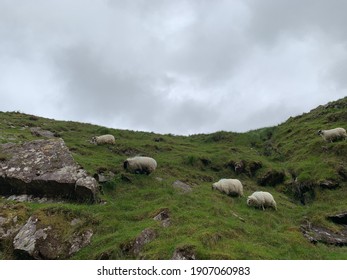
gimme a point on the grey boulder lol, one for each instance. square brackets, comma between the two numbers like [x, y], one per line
[44, 168]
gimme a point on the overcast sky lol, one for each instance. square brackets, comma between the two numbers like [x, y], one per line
[181, 67]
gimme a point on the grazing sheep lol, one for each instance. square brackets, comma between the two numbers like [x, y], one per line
[232, 187]
[334, 134]
[140, 165]
[103, 139]
[261, 199]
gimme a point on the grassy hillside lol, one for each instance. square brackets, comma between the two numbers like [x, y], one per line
[214, 225]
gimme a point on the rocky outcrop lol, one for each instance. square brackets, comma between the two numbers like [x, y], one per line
[321, 234]
[51, 236]
[44, 168]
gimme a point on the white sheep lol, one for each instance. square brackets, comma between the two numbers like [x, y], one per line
[232, 187]
[261, 199]
[334, 134]
[103, 139]
[140, 165]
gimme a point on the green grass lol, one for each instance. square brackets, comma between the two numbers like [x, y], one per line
[203, 219]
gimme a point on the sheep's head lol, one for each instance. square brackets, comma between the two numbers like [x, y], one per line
[93, 140]
[125, 164]
[214, 186]
[251, 201]
[320, 132]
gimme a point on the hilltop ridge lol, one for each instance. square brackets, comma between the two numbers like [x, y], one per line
[306, 175]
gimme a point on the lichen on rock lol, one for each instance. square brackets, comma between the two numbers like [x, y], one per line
[45, 168]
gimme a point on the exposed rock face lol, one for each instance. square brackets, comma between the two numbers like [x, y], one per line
[44, 168]
[41, 239]
[25, 240]
[86, 189]
[317, 234]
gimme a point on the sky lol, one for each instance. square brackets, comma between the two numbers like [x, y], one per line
[182, 67]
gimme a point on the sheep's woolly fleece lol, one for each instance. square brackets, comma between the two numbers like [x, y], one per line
[141, 165]
[261, 199]
[104, 139]
[333, 134]
[232, 187]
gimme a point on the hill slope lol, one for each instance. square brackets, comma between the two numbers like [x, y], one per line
[306, 176]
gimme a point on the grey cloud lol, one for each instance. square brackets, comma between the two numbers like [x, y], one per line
[126, 97]
[172, 66]
[272, 19]
[191, 116]
[338, 74]
[98, 87]
[213, 44]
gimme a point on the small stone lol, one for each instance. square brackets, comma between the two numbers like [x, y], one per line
[182, 186]
[80, 241]
[75, 222]
[39, 132]
[145, 237]
[135, 247]
[163, 217]
[184, 253]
